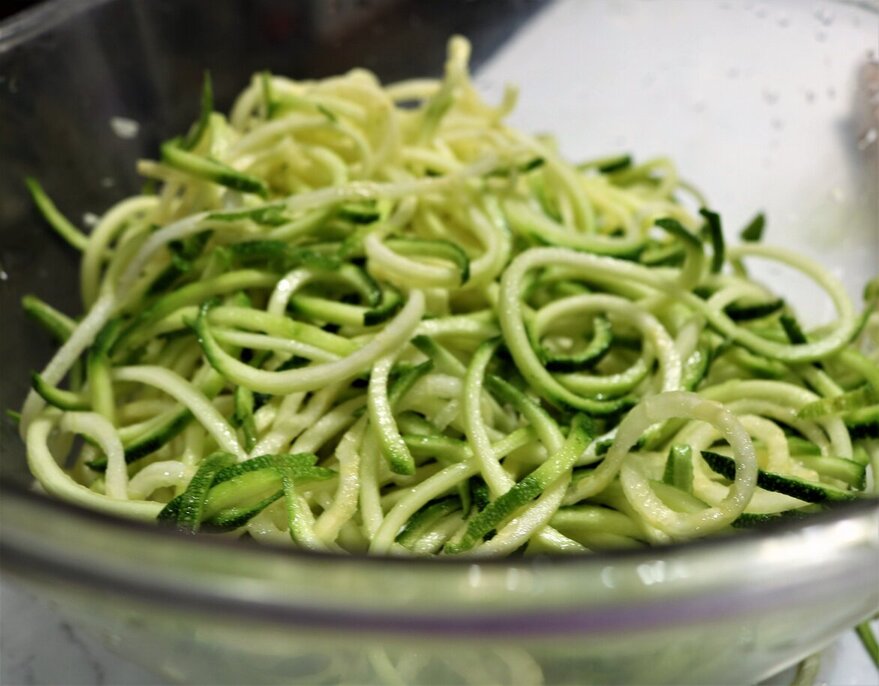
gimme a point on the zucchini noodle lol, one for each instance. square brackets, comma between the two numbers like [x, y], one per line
[357, 317]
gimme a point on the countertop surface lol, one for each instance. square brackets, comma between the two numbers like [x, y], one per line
[37, 646]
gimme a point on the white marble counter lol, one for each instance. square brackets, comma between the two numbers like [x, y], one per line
[37, 647]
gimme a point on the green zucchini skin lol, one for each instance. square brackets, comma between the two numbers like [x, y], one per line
[807, 491]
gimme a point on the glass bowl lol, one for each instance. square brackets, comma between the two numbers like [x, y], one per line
[767, 105]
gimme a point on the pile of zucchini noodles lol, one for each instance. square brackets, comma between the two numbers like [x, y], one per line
[358, 317]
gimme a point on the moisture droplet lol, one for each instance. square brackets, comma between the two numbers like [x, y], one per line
[770, 96]
[760, 12]
[870, 137]
[4, 275]
[777, 124]
[108, 182]
[810, 95]
[783, 21]
[870, 76]
[821, 36]
[824, 16]
[124, 127]
[831, 93]
[90, 218]
[732, 73]
[838, 194]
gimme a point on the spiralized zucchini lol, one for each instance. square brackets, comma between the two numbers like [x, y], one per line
[366, 318]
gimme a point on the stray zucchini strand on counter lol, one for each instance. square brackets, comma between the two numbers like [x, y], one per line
[356, 317]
